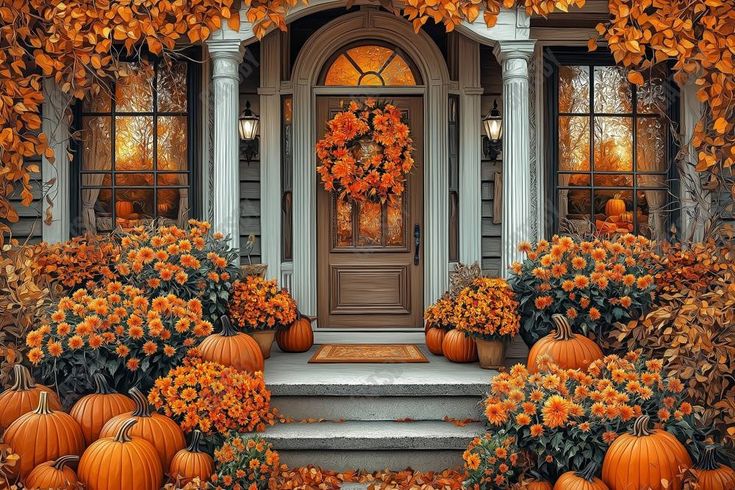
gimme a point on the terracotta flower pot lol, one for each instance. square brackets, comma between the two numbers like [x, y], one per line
[434, 339]
[264, 338]
[491, 353]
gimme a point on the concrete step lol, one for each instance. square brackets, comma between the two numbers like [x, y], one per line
[373, 446]
[421, 391]
[386, 408]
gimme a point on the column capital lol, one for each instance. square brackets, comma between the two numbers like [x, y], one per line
[514, 49]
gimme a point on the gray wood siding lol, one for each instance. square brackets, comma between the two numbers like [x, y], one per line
[250, 171]
[492, 84]
[29, 225]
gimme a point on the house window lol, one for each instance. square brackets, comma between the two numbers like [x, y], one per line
[371, 65]
[610, 147]
[136, 150]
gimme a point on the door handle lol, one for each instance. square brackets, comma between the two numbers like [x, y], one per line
[417, 244]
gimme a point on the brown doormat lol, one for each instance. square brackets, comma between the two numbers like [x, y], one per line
[368, 353]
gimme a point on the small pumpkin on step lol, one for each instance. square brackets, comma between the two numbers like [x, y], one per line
[56, 475]
[581, 480]
[299, 337]
[712, 475]
[458, 347]
[192, 462]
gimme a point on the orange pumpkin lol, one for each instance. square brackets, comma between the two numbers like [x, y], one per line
[581, 480]
[643, 458]
[457, 347]
[434, 339]
[192, 462]
[43, 435]
[712, 475]
[565, 348]
[165, 434]
[232, 348]
[299, 337]
[538, 485]
[122, 462]
[626, 217]
[615, 206]
[56, 475]
[94, 410]
[123, 209]
[23, 397]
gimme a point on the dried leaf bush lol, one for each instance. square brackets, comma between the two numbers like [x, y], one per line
[81, 262]
[692, 328]
[24, 298]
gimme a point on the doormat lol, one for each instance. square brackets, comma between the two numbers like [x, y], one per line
[368, 353]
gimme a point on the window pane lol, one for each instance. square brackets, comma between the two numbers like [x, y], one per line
[651, 144]
[370, 224]
[611, 204]
[342, 72]
[134, 143]
[134, 90]
[575, 206]
[613, 180]
[100, 102]
[398, 73]
[170, 202]
[344, 222]
[612, 90]
[394, 218]
[171, 87]
[574, 143]
[133, 206]
[371, 79]
[613, 143]
[129, 180]
[574, 89]
[172, 143]
[653, 181]
[651, 96]
[370, 58]
[97, 145]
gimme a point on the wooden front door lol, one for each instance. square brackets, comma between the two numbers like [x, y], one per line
[370, 258]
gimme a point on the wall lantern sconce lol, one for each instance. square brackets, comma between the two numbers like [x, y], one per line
[247, 126]
[492, 123]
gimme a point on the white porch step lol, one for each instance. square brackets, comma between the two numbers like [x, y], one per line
[372, 446]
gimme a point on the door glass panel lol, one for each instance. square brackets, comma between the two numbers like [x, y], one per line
[394, 219]
[370, 224]
[344, 223]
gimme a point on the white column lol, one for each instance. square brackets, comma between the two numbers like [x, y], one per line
[516, 227]
[470, 153]
[270, 154]
[226, 56]
[56, 128]
[695, 201]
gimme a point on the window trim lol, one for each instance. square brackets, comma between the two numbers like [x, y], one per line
[553, 58]
[192, 59]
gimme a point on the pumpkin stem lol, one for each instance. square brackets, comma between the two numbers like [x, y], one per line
[227, 329]
[123, 433]
[43, 408]
[142, 408]
[102, 387]
[641, 427]
[709, 459]
[196, 438]
[23, 378]
[563, 328]
[65, 460]
[588, 473]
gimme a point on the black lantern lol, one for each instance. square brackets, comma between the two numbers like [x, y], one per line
[492, 123]
[247, 126]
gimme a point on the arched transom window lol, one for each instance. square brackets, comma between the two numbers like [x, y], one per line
[371, 65]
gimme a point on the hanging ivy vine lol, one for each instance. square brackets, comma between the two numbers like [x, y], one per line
[79, 43]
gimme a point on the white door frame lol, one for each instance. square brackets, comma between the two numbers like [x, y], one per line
[369, 24]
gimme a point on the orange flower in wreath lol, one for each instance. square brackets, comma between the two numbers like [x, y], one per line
[365, 154]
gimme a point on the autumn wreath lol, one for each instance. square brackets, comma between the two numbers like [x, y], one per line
[366, 152]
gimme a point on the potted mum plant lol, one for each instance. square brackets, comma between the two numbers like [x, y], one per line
[439, 319]
[259, 307]
[487, 311]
